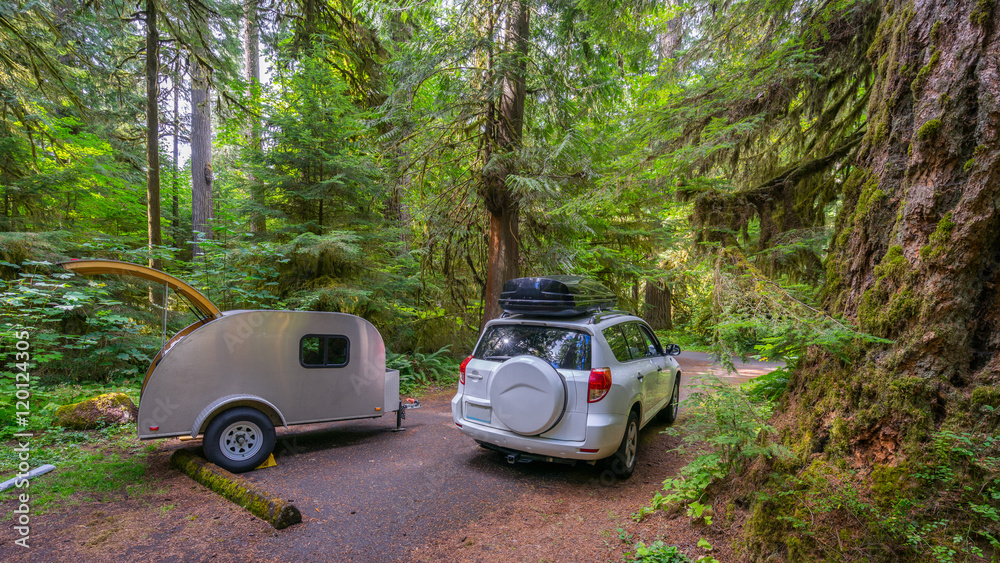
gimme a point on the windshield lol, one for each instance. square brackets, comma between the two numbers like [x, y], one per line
[562, 348]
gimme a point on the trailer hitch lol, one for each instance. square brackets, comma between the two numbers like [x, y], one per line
[401, 412]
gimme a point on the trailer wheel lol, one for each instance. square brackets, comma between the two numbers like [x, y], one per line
[239, 439]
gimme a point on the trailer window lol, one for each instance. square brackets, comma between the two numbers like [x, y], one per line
[324, 351]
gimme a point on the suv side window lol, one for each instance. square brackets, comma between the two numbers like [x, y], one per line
[651, 340]
[638, 344]
[617, 343]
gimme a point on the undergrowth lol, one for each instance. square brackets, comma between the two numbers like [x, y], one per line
[940, 503]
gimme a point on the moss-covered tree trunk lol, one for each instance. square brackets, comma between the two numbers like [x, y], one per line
[916, 253]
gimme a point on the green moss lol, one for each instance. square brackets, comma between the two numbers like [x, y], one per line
[936, 31]
[885, 307]
[969, 164]
[840, 438]
[921, 78]
[889, 483]
[109, 408]
[893, 265]
[986, 396]
[929, 130]
[870, 195]
[938, 241]
[981, 13]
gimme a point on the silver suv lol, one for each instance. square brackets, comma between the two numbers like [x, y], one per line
[564, 380]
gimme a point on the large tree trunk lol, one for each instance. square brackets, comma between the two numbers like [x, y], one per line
[175, 209]
[152, 134]
[201, 154]
[916, 254]
[504, 135]
[658, 311]
[251, 69]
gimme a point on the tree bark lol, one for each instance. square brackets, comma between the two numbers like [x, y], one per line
[251, 69]
[504, 133]
[155, 236]
[175, 210]
[201, 154]
[659, 309]
[916, 253]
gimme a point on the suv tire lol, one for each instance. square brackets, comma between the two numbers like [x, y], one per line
[622, 463]
[669, 413]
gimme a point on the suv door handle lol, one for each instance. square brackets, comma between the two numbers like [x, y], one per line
[475, 376]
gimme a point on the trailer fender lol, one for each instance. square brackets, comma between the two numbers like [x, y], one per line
[230, 401]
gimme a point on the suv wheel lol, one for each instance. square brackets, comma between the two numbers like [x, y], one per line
[623, 461]
[669, 412]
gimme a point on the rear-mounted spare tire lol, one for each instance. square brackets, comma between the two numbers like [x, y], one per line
[528, 395]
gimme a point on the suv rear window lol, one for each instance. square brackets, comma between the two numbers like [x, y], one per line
[562, 348]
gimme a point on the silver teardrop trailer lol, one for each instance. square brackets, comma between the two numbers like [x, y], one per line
[233, 376]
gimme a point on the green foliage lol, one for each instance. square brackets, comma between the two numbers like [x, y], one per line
[754, 313]
[727, 427]
[417, 369]
[79, 330]
[658, 552]
[942, 506]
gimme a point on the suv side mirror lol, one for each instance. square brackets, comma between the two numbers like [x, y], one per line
[671, 350]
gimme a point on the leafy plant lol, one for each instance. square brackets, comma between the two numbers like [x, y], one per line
[419, 369]
[728, 427]
[658, 552]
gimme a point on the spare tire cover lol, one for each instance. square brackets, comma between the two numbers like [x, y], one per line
[527, 394]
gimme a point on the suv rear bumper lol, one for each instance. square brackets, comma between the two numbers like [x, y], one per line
[604, 434]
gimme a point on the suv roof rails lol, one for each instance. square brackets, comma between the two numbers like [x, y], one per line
[601, 315]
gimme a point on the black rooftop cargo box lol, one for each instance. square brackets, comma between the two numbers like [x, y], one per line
[555, 296]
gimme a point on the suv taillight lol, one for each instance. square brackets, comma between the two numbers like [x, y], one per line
[600, 384]
[461, 369]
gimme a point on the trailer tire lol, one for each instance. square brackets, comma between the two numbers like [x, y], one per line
[239, 439]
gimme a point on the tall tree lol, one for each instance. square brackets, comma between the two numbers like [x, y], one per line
[201, 135]
[493, 128]
[155, 235]
[251, 70]
[503, 135]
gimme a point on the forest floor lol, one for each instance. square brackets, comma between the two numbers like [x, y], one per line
[462, 503]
